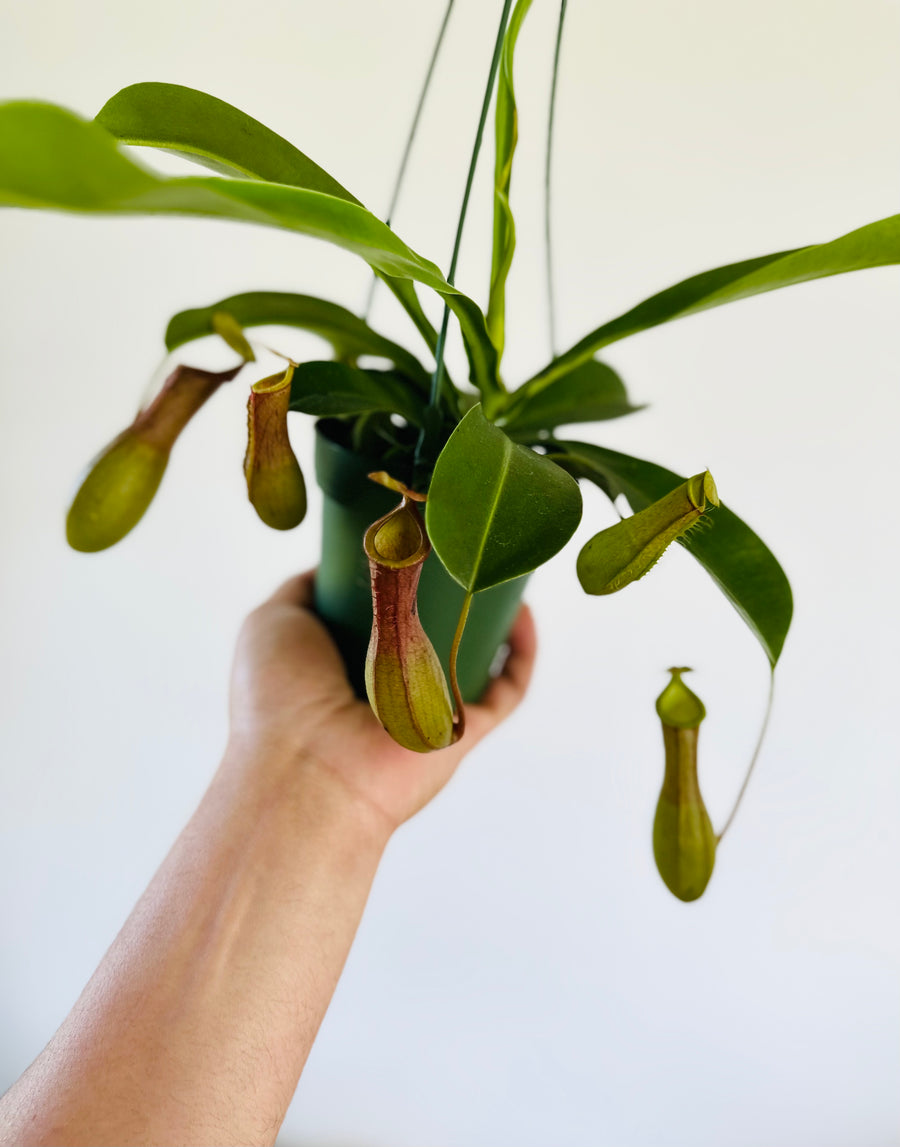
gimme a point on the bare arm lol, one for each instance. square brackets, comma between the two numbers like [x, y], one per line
[196, 1026]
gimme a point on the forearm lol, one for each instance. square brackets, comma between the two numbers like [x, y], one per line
[197, 1024]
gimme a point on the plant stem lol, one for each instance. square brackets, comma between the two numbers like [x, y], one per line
[753, 759]
[437, 378]
[548, 162]
[410, 139]
[460, 722]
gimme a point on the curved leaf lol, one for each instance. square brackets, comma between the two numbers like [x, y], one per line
[739, 562]
[592, 392]
[210, 131]
[51, 158]
[875, 245]
[347, 333]
[326, 389]
[495, 509]
[506, 135]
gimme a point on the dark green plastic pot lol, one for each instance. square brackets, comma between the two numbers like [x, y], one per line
[343, 598]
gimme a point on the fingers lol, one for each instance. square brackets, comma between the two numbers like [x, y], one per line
[296, 590]
[506, 691]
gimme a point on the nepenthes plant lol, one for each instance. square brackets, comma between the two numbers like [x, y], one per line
[482, 473]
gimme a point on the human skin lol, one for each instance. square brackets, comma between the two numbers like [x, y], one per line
[198, 1022]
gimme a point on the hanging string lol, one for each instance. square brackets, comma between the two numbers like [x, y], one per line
[548, 163]
[437, 378]
[410, 139]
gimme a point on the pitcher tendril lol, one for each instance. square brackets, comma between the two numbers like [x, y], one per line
[756, 751]
[460, 719]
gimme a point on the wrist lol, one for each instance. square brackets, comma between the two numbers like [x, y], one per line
[263, 776]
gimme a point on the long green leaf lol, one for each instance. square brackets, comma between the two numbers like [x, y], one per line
[506, 135]
[346, 332]
[875, 245]
[592, 392]
[326, 389]
[51, 158]
[739, 562]
[496, 510]
[210, 131]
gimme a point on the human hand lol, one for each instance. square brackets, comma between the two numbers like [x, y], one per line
[291, 702]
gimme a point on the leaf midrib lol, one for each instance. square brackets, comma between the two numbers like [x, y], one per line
[507, 455]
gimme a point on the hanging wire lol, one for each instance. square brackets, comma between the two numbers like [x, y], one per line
[438, 376]
[548, 162]
[410, 140]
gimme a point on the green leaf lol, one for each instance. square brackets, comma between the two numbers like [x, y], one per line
[207, 130]
[51, 158]
[326, 389]
[349, 335]
[876, 245]
[739, 562]
[506, 135]
[592, 392]
[212, 132]
[495, 509]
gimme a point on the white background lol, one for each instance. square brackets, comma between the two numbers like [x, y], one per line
[521, 978]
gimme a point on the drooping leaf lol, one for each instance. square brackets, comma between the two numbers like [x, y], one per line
[738, 561]
[51, 158]
[496, 509]
[875, 245]
[326, 389]
[217, 135]
[210, 131]
[592, 392]
[347, 333]
[506, 134]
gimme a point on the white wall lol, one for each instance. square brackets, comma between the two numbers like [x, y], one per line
[521, 977]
